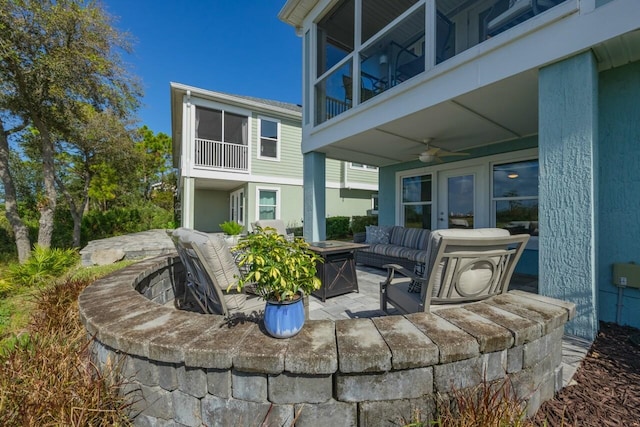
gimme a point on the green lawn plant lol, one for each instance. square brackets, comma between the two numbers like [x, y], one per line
[44, 265]
[278, 268]
[231, 228]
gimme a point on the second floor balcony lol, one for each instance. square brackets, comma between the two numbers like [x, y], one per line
[222, 156]
[366, 47]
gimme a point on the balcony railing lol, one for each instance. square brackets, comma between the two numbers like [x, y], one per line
[221, 155]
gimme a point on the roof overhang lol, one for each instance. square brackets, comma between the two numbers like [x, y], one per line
[294, 12]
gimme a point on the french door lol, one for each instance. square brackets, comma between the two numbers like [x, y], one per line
[236, 208]
[459, 203]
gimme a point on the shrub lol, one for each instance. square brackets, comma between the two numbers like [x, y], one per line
[231, 228]
[44, 264]
[488, 404]
[119, 221]
[46, 377]
[337, 227]
[358, 223]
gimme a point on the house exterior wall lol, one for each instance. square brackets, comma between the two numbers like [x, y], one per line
[388, 190]
[345, 202]
[205, 205]
[290, 161]
[619, 188]
[211, 208]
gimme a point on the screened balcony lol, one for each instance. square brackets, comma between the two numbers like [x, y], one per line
[399, 40]
[221, 140]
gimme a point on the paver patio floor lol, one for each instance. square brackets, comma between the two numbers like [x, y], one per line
[366, 302]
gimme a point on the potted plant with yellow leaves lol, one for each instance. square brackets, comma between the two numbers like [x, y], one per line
[281, 272]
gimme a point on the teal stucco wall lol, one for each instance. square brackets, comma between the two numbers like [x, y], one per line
[568, 162]
[619, 187]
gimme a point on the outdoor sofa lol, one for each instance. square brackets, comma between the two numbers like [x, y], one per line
[392, 245]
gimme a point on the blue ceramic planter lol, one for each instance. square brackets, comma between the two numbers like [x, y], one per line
[284, 319]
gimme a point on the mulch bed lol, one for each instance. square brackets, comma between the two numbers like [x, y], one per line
[607, 392]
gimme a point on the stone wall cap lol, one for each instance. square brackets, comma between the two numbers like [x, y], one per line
[122, 318]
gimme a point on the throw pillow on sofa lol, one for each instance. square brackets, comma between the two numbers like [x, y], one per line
[377, 234]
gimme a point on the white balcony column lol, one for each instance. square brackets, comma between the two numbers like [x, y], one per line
[568, 136]
[188, 190]
[314, 227]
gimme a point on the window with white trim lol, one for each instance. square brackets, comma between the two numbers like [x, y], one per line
[268, 206]
[269, 139]
[417, 200]
[515, 196]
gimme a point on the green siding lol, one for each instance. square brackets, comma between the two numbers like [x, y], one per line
[333, 170]
[290, 163]
[210, 209]
[339, 202]
[364, 176]
[343, 202]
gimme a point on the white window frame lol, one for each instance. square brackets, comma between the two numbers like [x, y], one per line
[277, 191]
[278, 139]
[363, 167]
[400, 204]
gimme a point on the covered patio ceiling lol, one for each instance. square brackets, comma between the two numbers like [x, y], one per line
[503, 111]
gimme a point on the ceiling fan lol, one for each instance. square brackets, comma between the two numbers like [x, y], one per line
[433, 153]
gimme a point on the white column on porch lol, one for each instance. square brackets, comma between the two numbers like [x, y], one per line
[314, 227]
[568, 133]
[188, 193]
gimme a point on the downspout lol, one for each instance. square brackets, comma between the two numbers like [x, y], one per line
[346, 175]
[188, 140]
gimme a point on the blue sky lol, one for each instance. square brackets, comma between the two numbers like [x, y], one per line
[232, 46]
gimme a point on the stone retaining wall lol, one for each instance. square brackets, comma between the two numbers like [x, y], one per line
[193, 369]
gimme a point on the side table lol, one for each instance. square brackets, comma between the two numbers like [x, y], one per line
[338, 271]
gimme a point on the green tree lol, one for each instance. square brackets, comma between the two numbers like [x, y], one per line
[99, 145]
[20, 230]
[155, 159]
[55, 57]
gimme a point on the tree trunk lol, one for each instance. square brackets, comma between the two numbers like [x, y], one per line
[20, 231]
[48, 205]
[77, 212]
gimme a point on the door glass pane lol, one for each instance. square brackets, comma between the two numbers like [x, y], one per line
[460, 201]
[417, 216]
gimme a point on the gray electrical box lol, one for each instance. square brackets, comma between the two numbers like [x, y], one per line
[626, 275]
